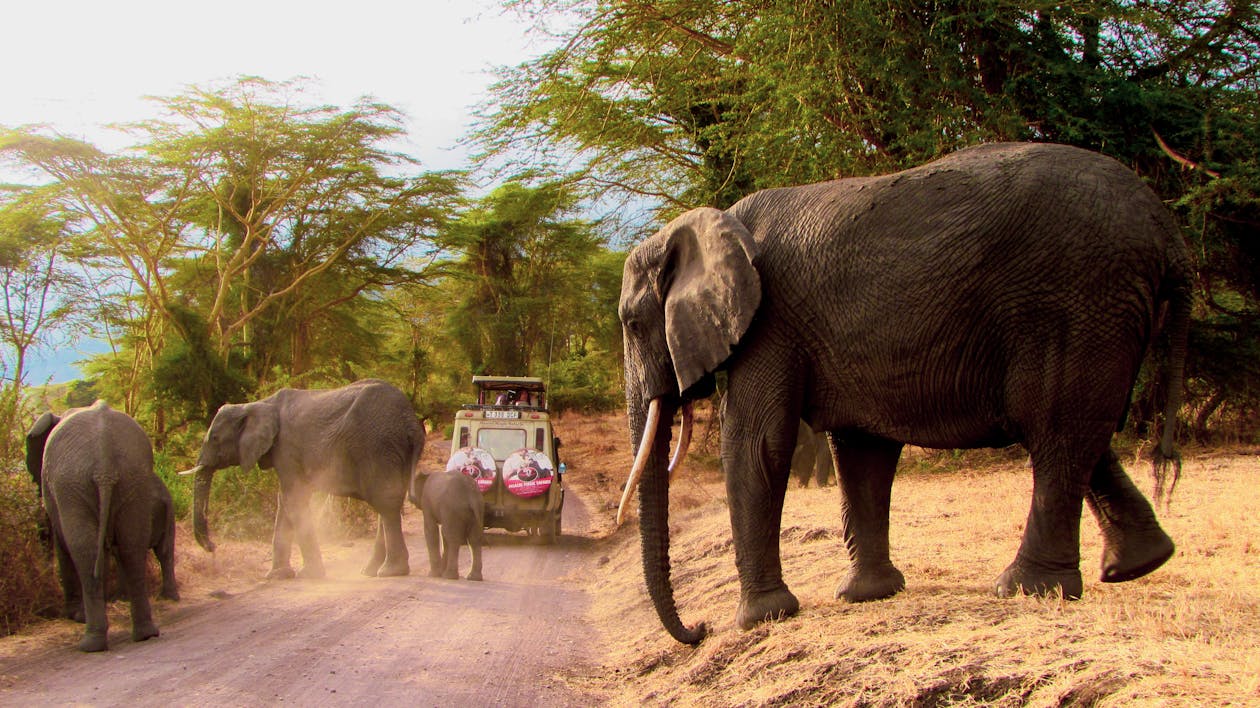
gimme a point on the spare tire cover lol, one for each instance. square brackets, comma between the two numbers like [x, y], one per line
[474, 462]
[528, 473]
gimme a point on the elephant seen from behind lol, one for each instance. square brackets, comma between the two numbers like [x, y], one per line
[360, 441]
[94, 468]
[1004, 294]
[453, 516]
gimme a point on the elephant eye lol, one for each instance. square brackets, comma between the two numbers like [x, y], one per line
[633, 327]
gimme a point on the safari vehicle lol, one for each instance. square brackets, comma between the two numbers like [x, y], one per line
[505, 442]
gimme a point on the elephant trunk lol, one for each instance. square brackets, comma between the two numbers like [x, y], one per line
[201, 502]
[654, 517]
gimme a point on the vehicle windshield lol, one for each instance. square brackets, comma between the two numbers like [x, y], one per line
[501, 442]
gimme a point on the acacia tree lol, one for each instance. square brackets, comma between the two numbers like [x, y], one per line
[251, 213]
[524, 258]
[699, 101]
[36, 286]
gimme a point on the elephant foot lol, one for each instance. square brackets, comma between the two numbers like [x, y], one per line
[141, 632]
[864, 586]
[1125, 561]
[766, 607]
[310, 572]
[435, 572]
[285, 573]
[93, 642]
[390, 570]
[1020, 578]
[371, 568]
[451, 575]
[474, 576]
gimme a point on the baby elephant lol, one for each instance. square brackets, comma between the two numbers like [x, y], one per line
[94, 467]
[452, 501]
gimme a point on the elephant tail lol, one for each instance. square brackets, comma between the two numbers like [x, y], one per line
[105, 494]
[1177, 332]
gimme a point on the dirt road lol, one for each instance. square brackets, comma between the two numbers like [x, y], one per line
[345, 640]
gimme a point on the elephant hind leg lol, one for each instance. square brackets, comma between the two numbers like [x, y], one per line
[433, 542]
[377, 559]
[83, 555]
[1133, 542]
[131, 564]
[474, 546]
[452, 539]
[389, 528]
[1049, 556]
[866, 466]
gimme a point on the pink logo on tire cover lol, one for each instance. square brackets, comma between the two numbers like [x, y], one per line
[474, 462]
[528, 473]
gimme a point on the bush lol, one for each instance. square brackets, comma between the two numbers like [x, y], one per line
[589, 384]
[28, 581]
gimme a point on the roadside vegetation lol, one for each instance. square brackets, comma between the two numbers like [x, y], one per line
[251, 237]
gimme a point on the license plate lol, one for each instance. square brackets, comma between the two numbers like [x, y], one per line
[503, 414]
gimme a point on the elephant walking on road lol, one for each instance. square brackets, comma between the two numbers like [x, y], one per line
[360, 441]
[1003, 294]
[453, 516]
[94, 467]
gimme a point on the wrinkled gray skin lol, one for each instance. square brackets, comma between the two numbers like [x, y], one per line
[95, 464]
[360, 441]
[1003, 294]
[812, 457]
[453, 516]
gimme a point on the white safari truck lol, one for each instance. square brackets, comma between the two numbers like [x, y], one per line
[504, 441]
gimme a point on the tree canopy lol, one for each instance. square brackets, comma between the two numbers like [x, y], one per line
[685, 103]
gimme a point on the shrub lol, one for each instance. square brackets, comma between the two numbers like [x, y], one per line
[28, 582]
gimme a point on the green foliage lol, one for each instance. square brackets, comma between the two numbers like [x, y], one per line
[190, 375]
[682, 103]
[524, 260]
[589, 383]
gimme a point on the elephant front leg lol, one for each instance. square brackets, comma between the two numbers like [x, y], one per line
[865, 468]
[1133, 542]
[281, 545]
[756, 482]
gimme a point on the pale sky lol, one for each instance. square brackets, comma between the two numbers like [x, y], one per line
[78, 64]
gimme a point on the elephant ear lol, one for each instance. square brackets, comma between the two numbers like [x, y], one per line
[36, 437]
[711, 290]
[258, 433]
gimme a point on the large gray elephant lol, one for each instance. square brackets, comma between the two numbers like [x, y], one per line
[94, 467]
[454, 515]
[360, 441]
[1003, 294]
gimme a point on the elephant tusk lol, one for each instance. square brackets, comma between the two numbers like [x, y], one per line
[194, 470]
[684, 439]
[641, 457]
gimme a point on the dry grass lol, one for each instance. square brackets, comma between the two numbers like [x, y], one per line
[1186, 635]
